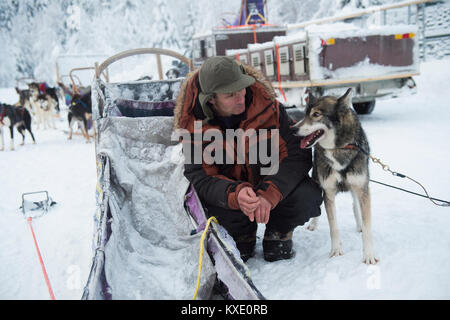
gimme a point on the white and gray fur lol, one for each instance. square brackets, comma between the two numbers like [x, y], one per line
[330, 124]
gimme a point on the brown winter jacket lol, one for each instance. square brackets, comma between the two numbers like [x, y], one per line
[219, 184]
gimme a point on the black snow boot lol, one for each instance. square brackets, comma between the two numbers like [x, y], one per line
[277, 246]
[246, 245]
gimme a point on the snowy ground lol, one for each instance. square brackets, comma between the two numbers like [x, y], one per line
[411, 236]
[66, 169]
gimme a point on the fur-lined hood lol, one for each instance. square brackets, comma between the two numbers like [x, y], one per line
[190, 89]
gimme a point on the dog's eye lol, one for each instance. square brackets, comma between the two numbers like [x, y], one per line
[316, 114]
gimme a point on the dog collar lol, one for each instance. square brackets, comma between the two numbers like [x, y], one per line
[354, 146]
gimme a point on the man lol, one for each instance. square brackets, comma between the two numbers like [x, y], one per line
[224, 96]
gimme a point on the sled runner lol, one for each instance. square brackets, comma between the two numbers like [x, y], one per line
[149, 221]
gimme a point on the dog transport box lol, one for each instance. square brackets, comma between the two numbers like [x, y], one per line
[149, 221]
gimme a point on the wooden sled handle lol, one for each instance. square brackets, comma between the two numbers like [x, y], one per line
[157, 51]
[74, 76]
[75, 87]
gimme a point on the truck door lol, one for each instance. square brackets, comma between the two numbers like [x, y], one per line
[299, 59]
[268, 56]
[284, 60]
[256, 62]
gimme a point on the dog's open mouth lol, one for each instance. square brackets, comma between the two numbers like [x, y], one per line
[308, 141]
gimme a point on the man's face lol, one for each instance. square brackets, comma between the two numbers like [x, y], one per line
[227, 104]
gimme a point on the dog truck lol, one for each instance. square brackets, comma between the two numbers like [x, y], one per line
[325, 59]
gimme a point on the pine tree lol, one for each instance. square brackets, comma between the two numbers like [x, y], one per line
[188, 30]
[164, 33]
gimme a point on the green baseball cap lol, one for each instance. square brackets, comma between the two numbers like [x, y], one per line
[221, 75]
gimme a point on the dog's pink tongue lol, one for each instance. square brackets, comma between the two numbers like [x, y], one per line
[305, 141]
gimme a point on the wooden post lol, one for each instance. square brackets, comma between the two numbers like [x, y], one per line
[158, 61]
[97, 72]
[58, 79]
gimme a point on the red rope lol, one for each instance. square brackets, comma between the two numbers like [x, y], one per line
[3, 115]
[47, 281]
[279, 75]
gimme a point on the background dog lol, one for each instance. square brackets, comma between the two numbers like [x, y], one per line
[340, 164]
[48, 93]
[24, 97]
[44, 105]
[12, 116]
[80, 110]
[173, 73]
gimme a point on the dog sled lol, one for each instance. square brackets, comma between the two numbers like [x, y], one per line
[150, 225]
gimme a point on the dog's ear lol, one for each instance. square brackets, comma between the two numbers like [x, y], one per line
[346, 99]
[311, 98]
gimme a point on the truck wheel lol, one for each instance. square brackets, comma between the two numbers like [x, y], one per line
[364, 107]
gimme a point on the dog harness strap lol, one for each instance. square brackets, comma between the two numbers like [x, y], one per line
[351, 146]
[354, 146]
[83, 104]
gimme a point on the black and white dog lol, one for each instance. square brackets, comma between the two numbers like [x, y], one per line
[24, 97]
[14, 116]
[80, 110]
[44, 104]
[173, 73]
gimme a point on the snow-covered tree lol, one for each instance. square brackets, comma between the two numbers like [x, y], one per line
[34, 32]
[164, 31]
[187, 29]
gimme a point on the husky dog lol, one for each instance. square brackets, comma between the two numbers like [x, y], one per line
[12, 116]
[24, 97]
[340, 164]
[80, 110]
[44, 105]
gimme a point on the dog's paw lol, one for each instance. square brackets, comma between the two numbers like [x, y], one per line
[370, 258]
[335, 252]
[313, 224]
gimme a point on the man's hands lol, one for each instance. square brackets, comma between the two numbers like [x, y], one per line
[253, 206]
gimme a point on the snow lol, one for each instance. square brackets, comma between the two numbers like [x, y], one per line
[252, 47]
[290, 38]
[233, 52]
[66, 169]
[411, 237]
[345, 30]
